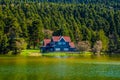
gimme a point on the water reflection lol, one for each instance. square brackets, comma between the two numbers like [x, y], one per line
[44, 68]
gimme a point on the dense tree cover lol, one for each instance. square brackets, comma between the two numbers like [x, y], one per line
[29, 23]
[62, 1]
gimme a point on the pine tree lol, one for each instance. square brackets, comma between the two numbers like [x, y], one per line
[104, 39]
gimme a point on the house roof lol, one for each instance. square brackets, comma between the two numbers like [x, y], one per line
[46, 42]
[72, 45]
[57, 38]
[67, 38]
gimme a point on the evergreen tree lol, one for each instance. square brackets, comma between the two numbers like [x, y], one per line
[87, 20]
[104, 39]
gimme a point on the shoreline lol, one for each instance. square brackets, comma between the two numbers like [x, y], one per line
[36, 52]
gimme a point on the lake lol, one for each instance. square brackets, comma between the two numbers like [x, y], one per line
[59, 68]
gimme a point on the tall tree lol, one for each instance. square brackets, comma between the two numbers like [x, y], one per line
[36, 33]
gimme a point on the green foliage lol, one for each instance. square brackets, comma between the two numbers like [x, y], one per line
[87, 20]
[18, 45]
[3, 44]
[104, 39]
[35, 33]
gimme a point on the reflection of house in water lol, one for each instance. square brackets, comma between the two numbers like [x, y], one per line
[58, 43]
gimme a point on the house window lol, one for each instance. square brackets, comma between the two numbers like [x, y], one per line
[57, 49]
[61, 43]
[66, 49]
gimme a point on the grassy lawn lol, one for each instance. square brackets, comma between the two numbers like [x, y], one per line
[67, 54]
[36, 52]
[29, 52]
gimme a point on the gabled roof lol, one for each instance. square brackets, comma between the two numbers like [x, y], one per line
[57, 38]
[67, 38]
[72, 45]
[46, 41]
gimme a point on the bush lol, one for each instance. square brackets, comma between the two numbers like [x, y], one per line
[18, 45]
[97, 47]
[83, 46]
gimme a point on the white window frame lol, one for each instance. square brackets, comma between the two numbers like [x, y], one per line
[57, 49]
[66, 49]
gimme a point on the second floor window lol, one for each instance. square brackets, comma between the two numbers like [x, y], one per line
[61, 43]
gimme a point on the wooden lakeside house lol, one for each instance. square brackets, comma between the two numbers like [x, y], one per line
[58, 44]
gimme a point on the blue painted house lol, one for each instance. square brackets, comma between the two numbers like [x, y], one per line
[58, 43]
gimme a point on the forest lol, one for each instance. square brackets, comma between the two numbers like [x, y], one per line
[25, 23]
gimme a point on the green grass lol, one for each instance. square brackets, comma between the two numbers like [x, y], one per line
[67, 54]
[55, 54]
[29, 51]
[86, 53]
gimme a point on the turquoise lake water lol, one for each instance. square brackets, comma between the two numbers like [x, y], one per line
[71, 68]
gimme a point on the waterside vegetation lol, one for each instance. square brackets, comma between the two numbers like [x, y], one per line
[92, 25]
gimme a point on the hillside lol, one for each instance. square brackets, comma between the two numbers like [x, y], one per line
[63, 1]
[29, 23]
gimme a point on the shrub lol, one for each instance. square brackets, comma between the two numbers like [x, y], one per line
[83, 46]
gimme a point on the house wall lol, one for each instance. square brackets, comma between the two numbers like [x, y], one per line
[62, 45]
